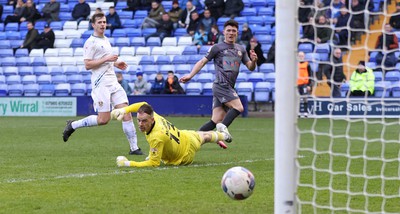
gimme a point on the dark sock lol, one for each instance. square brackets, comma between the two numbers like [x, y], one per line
[230, 116]
[210, 125]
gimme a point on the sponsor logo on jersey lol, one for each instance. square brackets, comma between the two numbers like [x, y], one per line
[239, 53]
[153, 151]
[101, 103]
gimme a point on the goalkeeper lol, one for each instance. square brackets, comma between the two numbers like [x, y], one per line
[167, 142]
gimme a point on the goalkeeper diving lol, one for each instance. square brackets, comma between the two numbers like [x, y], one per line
[167, 143]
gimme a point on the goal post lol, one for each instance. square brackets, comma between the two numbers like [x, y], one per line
[286, 103]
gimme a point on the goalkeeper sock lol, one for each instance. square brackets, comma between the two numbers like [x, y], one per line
[216, 136]
[210, 125]
[130, 132]
[230, 116]
[85, 122]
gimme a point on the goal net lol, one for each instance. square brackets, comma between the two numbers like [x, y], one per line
[346, 154]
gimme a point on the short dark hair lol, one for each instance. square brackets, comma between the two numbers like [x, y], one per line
[231, 22]
[171, 72]
[96, 16]
[111, 7]
[146, 108]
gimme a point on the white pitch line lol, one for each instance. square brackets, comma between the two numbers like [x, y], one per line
[123, 171]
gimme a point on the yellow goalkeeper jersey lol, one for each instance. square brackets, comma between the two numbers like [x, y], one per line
[167, 142]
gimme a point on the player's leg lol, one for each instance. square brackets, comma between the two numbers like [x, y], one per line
[121, 100]
[214, 137]
[218, 113]
[235, 109]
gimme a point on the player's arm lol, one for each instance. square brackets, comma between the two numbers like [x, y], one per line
[154, 156]
[119, 113]
[196, 68]
[94, 63]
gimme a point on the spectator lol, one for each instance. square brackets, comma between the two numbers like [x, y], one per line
[341, 26]
[18, 12]
[158, 85]
[164, 28]
[304, 12]
[140, 84]
[246, 35]
[51, 11]
[324, 31]
[133, 5]
[271, 54]
[113, 21]
[1, 13]
[184, 19]
[172, 85]
[395, 18]
[357, 19]
[388, 44]
[200, 37]
[194, 23]
[174, 13]
[124, 83]
[154, 16]
[30, 38]
[304, 83]
[30, 13]
[207, 21]
[12, 3]
[233, 8]
[196, 3]
[81, 11]
[98, 10]
[256, 46]
[362, 81]
[46, 39]
[335, 73]
[216, 7]
[214, 36]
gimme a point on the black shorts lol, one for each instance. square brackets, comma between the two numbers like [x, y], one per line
[223, 93]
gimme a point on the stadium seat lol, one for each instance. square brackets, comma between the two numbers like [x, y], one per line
[65, 16]
[150, 69]
[149, 31]
[86, 34]
[258, 3]
[165, 68]
[262, 91]
[378, 76]
[255, 20]
[3, 90]
[56, 25]
[51, 52]
[194, 88]
[147, 60]
[140, 14]
[36, 53]
[143, 51]
[132, 33]
[270, 77]
[72, 34]
[12, 27]
[65, 52]
[247, 11]
[25, 70]
[15, 90]
[163, 60]
[2, 79]
[6, 53]
[244, 69]
[271, 3]
[322, 48]
[53, 61]
[62, 43]
[130, 60]
[171, 50]
[84, 24]
[65, 8]
[40, 70]
[179, 59]
[180, 32]
[129, 23]
[138, 42]
[70, 25]
[58, 79]
[21, 52]
[312, 57]
[13, 79]
[266, 68]
[204, 49]
[122, 42]
[242, 77]
[205, 77]
[44, 79]
[39, 25]
[130, 51]
[124, 14]
[207, 88]
[77, 43]
[262, 32]
[392, 76]
[8, 61]
[4, 44]
[193, 59]
[382, 89]
[119, 33]
[75, 78]
[183, 68]
[158, 50]
[86, 78]
[16, 43]
[71, 70]
[46, 90]
[256, 77]
[56, 70]
[190, 50]
[13, 35]
[59, 34]
[306, 47]
[153, 41]
[10, 70]
[68, 61]
[31, 90]
[269, 20]
[28, 79]
[185, 41]
[396, 89]
[246, 89]
[169, 41]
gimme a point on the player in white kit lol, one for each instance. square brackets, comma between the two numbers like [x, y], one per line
[106, 91]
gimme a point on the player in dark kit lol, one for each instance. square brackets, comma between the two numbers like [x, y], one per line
[227, 58]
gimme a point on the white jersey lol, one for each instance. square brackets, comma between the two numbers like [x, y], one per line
[96, 48]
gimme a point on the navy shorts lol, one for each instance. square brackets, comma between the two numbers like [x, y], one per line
[223, 93]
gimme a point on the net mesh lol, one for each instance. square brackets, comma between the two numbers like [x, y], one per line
[349, 163]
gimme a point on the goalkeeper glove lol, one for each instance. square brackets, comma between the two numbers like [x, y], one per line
[118, 113]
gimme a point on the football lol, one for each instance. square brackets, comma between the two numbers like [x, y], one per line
[238, 183]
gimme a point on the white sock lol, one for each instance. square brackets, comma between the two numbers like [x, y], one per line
[130, 132]
[85, 122]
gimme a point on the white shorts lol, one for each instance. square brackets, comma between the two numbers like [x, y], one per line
[105, 96]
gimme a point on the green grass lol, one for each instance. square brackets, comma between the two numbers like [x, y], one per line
[41, 174]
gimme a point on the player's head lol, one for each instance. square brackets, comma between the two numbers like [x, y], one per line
[231, 31]
[145, 118]
[99, 23]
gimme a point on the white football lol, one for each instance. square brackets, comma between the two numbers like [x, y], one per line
[121, 158]
[238, 183]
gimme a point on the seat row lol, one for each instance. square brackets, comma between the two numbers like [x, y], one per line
[383, 89]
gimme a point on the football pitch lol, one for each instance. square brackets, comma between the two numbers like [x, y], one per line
[41, 174]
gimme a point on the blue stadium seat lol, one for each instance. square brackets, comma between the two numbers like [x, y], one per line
[194, 88]
[179, 59]
[39, 25]
[378, 76]
[392, 76]
[25, 70]
[258, 3]
[56, 70]
[6, 53]
[129, 23]
[183, 68]
[31, 90]
[13, 35]
[8, 61]
[86, 78]
[205, 77]
[207, 88]
[44, 79]
[62, 89]
[21, 52]
[265, 11]
[396, 89]
[165, 68]
[78, 89]
[246, 89]
[56, 25]
[10, 70]
[322, 48]
[312, 57]
[271, 3]
[255, 20]
[71, 70]
[382, 89]
[306, 47]
[262, 91]
[23, 61]
[256, 77]
[153, 41]
[270, 77]
[23, 26]
[58, 79]
[1, 27]
[150, 69]
[28, 79]
[181, 31]
[65, 16]
[140, 14]
[122, 42]
[266, 68]
[193, 59]
[163, 60]
[204, 49]
[4, 44]
[75, 78]
[269, 20]
[241, 20]
[15, 90]
[65, 8]
[147, 60]
[221, 21]
[46, 90]
[38, 61]
[40, 70]
[8, 9]
[13, 26]
[167, 5]
[132, 33]
[77, 43]
[138, 41]
[119, 33]
[249, 12]
[13, 79]
[127, 15]
[190, 50]
[2, 79]
[148, 31]
[211, 68]
[3, 90]
[372, 56]
[16, 43]
[3, 35]
[242, 77]
[264, 39]
[87, 34]
[373, 65]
